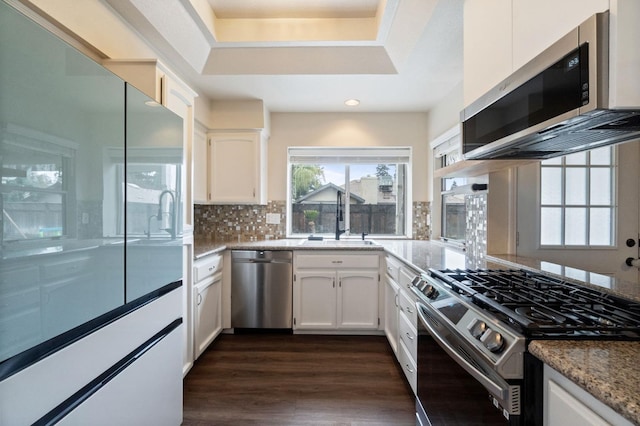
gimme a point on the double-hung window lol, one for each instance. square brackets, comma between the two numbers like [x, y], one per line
[370, 186]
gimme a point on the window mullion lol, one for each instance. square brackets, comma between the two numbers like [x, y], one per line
[347, 200]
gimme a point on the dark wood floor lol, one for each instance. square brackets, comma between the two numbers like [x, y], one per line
[297, 380]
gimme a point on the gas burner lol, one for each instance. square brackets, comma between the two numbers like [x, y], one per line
[544, 306]
[541, 315]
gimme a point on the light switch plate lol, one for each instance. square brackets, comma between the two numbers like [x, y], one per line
[273, 218]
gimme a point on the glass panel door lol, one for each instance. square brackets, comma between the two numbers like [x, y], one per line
[152, 195]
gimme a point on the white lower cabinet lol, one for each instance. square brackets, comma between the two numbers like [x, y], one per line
[314, 300]
[567, 404]
[408, 364]
[207, 302]
[336, 291]
[391, 312]
[208, 311]
[401, 319]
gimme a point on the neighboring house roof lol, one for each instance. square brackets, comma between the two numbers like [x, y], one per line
[315, 196]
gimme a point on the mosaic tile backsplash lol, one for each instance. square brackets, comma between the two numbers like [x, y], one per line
[476, 238]
[421, 220]
[249, 222]
[239, 222]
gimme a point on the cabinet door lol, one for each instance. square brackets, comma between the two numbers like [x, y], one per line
[235, 168]
[200, 172]
[566, 410]
[391, 308]
[358, 299]
[208, 310]
[488, 46]
[314, 300]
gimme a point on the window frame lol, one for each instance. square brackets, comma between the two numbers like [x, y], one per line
[563, 206]
[351, 156]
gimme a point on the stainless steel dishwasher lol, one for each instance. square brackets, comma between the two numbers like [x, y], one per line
[261, 289]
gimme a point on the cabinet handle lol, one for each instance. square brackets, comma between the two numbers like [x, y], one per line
[396, 301]
[408, 309]
[334, 283]
[340, 283]
[409, 336]
[409, 369]
[336, 261]
[199, 299]
[211, 268]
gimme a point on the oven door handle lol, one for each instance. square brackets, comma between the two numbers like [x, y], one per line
[493, 387]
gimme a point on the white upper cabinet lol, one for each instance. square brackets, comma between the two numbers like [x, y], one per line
[200, 170]
[537, 25]
[237, 168]
[487, 45]
[502, 35]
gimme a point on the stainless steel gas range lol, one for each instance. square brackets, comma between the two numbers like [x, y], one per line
[473, 330]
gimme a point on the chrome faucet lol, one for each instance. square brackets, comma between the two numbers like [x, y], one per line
[339, 216]
[172, 213]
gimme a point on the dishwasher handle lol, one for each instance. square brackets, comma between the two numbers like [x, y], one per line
[258, 261]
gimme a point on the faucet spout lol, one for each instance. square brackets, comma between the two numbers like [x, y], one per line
[339, 216]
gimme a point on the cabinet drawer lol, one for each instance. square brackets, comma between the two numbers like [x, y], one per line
[406, 276]
[206, 267]
[408, 307]
[393, 268]
[408, 366]
[337, 260]
[408, 335]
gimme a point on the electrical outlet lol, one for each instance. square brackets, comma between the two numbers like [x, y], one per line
[273, 218]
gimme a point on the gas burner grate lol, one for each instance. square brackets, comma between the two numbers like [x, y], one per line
[546, 307]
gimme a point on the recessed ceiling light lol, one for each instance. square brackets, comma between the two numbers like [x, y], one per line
[352, 102]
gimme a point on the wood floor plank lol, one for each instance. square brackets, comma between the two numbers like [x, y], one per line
[274, 379]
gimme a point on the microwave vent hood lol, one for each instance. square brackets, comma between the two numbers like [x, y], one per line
[567, 99]
[594, 131]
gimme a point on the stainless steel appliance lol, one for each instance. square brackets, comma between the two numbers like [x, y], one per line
[474, 328]
[579, 94]
[261, 289]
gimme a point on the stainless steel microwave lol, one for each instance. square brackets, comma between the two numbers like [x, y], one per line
[571, 97]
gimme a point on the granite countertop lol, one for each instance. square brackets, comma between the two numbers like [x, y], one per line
[607, 370]
[205, 247]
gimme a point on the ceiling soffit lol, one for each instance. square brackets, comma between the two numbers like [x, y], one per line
[248, 45]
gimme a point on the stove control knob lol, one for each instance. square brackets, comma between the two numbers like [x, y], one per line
[430, 291]
[477, 328]
[492, 340]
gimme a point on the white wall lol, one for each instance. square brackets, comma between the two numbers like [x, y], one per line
[352, 129]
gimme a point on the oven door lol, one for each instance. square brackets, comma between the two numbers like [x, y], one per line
[453, 387]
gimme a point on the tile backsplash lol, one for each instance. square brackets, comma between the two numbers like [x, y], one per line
[248, 222]
[476, 238]
[239, 222]
[421, 220]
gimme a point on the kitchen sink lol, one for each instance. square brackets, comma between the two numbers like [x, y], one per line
[338, 243]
